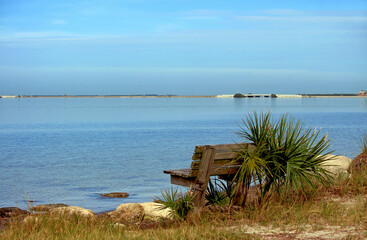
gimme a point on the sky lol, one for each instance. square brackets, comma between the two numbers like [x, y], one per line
[182, 47]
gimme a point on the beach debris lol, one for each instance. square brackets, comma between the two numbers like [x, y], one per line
[115, 195]
[128, 213]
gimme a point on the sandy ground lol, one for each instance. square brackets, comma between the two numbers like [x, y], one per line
[308, 231]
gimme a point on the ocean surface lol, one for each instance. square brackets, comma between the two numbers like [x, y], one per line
[70, 150]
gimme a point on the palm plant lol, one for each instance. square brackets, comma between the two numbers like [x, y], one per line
[286, 155]
[180, 203]
[219, 192]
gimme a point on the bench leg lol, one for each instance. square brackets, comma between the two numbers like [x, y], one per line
[198, 201]
[203, 179]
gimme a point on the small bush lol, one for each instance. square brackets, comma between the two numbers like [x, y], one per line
[219, 192]
[180, 203]
[287, 156]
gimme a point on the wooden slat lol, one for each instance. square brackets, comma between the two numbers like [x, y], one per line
[230, 147]
[224, 170]
[178, 172]
[218, 163]
[218, 155]
[215, 171]
[230, 153]
[222, 147]
[225, 155]
[186, 182]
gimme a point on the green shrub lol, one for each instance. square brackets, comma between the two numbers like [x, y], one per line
[218, 192]
[180, 203]
[287, 156]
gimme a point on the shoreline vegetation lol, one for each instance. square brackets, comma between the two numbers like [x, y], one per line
[337, 211]
[249, 95]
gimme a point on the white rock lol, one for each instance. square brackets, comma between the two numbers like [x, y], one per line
[73, 210]
[337, 164]
[128, 213]
[152, 210]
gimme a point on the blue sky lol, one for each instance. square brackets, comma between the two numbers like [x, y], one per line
[182, 47]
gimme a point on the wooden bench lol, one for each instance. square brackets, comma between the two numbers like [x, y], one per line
[208, 160]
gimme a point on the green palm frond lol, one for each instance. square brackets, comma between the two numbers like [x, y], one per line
[180, 203]
[287, 154]
[216, 194]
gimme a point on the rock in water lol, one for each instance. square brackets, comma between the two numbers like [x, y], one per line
[73, 211]
[115, 195]
[128, 213]
[9, 212]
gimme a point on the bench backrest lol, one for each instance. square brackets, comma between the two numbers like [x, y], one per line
[225, 162]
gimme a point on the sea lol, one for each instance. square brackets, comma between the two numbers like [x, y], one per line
[70, 150]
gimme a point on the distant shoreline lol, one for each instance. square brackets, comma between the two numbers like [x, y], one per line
[184, 96]
[109, 96]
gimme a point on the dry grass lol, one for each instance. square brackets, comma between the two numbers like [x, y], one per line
[335, 212]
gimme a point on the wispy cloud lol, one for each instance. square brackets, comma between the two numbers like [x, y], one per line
[356, 19]
[283, 12]
[289, 15]
[205, 14]
[58, 22]
[40, 35]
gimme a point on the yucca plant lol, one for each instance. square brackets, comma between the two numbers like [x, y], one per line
[286, 155]
[180, 203]
[219, 192]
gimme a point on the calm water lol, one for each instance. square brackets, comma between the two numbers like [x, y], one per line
[69, 150]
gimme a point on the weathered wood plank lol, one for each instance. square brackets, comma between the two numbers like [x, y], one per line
[186, 182]
[178, 172]
[224, 170]
[222, 147]
[203, 176]
[218, 155]
[206, 164]
[215, 171]
[218, 163]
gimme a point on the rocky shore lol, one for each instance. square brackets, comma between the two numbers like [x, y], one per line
[127, 213]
